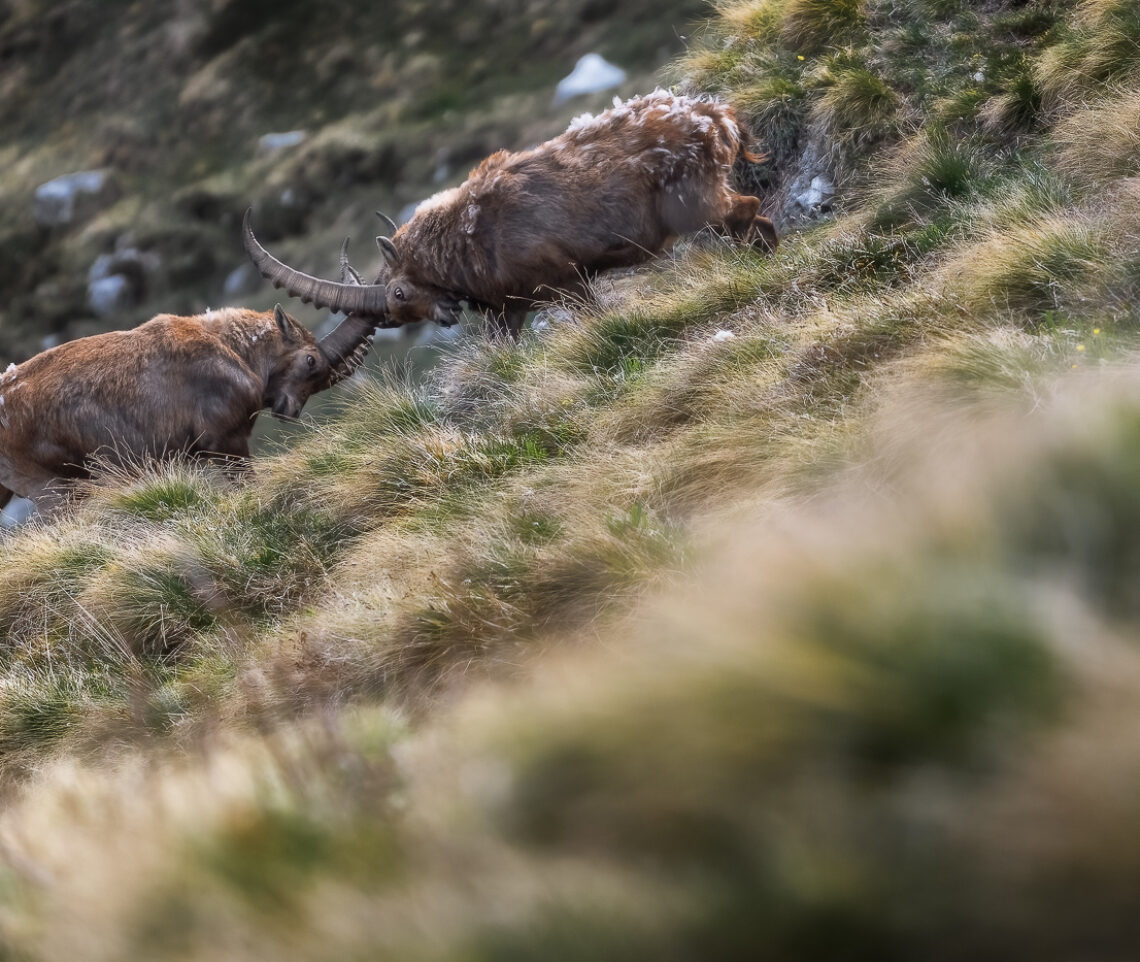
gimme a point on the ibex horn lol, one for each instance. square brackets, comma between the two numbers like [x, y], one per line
[348, 273]
[383, 216]
[348, 298]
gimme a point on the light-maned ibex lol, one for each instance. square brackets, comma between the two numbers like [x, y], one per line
[174, 385]
[612, 191]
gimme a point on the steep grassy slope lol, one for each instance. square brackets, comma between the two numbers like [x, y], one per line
[770, 607]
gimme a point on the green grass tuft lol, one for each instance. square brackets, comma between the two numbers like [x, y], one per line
[855, 107]
[809, 26]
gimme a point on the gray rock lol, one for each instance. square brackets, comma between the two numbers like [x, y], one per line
[135, 263]
[809, 194]
[110, 295]
[16, 512]
[100, 268]
[407, 212]
[817, 194]
[272, 143]
[56, 200]
[591, 74]
[243, 279]
[116, 281]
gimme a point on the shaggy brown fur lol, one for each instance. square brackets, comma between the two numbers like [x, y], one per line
[613, 191]
[172, 385]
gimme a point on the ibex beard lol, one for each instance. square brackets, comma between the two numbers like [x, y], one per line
[612, 191]
[173, 386]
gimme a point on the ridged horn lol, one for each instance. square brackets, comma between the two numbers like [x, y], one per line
[367, 299]
[346, 346]
[348, 273]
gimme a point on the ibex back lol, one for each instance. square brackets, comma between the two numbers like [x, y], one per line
[174, 385]
[612, 191]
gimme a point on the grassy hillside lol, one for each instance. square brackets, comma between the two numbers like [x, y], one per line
[770, 607]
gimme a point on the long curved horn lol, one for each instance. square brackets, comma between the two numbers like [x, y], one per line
[367, 299]
[346, 346]
[383, 216]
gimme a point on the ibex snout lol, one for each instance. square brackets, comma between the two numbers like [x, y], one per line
[286, 408]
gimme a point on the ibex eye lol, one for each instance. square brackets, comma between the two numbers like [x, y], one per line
[310, 360]
[398, 293]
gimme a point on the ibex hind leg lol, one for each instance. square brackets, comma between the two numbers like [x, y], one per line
[6, 495]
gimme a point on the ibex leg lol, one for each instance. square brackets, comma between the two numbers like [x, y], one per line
[508, 323]
[746, 224]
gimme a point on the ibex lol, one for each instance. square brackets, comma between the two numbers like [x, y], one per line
[174, 385]
[612, 191]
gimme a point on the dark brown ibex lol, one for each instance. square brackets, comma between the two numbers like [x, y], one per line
[171, 386]
[612, 191]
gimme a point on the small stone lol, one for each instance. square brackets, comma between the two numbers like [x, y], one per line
[109, 295]
[591, 74]
[243, 279]
[407, 212]
[16, 512]
[55, 200]
[272, 143]
[100, 268]
[818, 193]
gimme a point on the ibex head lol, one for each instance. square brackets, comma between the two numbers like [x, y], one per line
[298, 368]
[392, 299]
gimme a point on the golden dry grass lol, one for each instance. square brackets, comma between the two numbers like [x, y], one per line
[767, 607]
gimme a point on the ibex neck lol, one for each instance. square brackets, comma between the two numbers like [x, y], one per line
[253, 335]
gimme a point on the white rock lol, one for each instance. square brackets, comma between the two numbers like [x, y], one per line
[16, 512]
[109, 295]
[724, 336]
[100, 268]
[591, 74]
[271, 143]
[407, 212]
[128, 261]
[243, 279]
[820, 190]
[55, 200]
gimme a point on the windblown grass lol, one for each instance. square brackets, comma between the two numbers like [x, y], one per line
[1101, 142]
[767, 606]
[1101, 48]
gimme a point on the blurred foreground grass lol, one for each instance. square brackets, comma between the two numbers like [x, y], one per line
[769, 607]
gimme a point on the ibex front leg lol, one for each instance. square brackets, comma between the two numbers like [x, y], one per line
[745, 222]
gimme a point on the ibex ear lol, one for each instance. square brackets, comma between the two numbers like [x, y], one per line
[284, 322]
[388, 250]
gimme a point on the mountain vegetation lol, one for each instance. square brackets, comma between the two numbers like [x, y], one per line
[762, 607]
